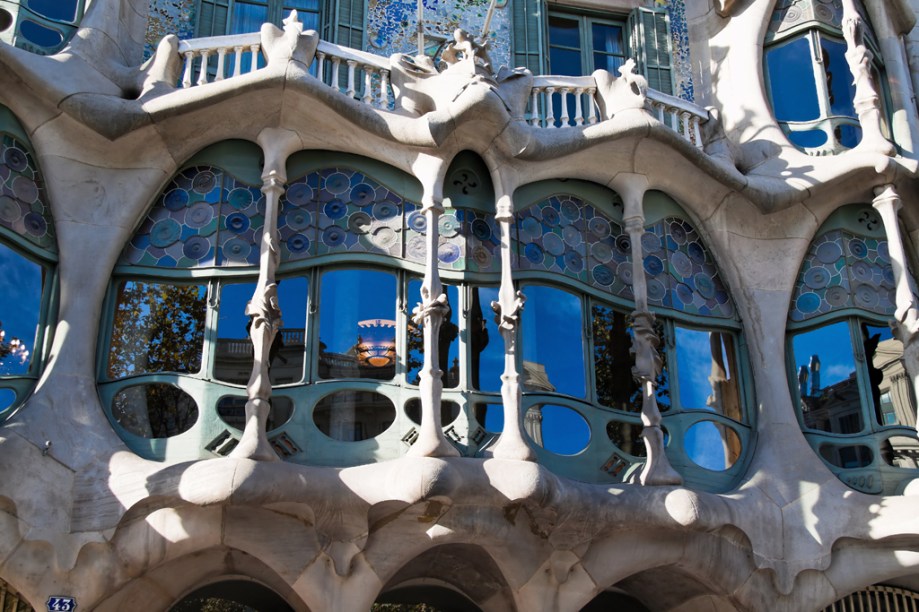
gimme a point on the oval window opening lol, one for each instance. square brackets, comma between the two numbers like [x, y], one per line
[558, 429]
[232, 411]
[448, 411]
[712, 446]
[808, 139]
[852, 456]
[154, 411]
[627, 437]
[7, 398]
[6, 20]
[351, 416]
[40, 35]
[901, 451]
[490, 417]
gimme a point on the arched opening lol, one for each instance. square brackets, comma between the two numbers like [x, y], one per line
[232, 596]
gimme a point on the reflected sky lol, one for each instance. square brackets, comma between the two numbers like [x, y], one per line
[707, 446]
[553, 342]
[20, 288]
[791, 81]
[563, 430]
[449, 338]
[833, 346]
[485, 342]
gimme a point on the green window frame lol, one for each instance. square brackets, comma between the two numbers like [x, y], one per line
[582, 36]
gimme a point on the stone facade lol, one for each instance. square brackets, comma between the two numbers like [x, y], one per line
[467, 197]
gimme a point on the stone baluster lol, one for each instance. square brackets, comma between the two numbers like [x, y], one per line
[563, 120]
[674, 119]
[384, 89]
[906, 324]
[534, 106]
[867, 101]
[591, 105]
[202, 71]
[186, 77]
[263, 309]
[336, 64]
[658, 110]
[430, 314]
[254, 49]
[550, 111]
[645, 342]
[237, 60]
[351, 89]
[684, 123]
[367, 98]
[508, 308]
[320, 64]
[578, 114]
[697, 132]
[221, 59]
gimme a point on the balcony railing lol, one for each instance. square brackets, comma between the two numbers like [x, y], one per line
[554, 102]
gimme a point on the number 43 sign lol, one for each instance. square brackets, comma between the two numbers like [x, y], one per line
[61, 604]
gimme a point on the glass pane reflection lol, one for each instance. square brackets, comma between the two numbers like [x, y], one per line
[486, 345]
[449, 338]
[712, 445]
[791, 81]
[613, 361]
[891, 390]
[827, 384]
[234, 355]
[627, 436]
[232, 411]
[7, 398]
[351, 416]
[357, 326]
[21, 284]
[901, 451]
[707, 371]
[490, 417]
[553, 345]
[557, 429]
[846, 456]
[154, 411]
[448, 411]
[157, 328]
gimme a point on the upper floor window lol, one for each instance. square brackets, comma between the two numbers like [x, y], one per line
[40, 26]
[579, 44]
[808, 76]
[855, 400]
[218, 17]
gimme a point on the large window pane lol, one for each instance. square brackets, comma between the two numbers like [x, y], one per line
[891, 390]
[553, 341]
[357, 326]
[564, 32]
[607, 38]
[486, 346]
[248, 17]
[826, 377]
[449, 339]
[791, 81]
[707, 371]
[616, 387]
[157, 328]
[234, 355]
[21, 287]
[839, 82]
[63, 10]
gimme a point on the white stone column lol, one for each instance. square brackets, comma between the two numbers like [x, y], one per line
[867, 101]
[648, 362]
[263, 308]
[430, 314]
[508, 308]
[906, 324]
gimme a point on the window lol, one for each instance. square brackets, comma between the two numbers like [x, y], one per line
[28, 253]
[854, 399]
[809, 81]
[39, 26]
[579, 44]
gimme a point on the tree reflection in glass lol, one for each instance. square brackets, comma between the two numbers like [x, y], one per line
[154, 411]
[449, 339]
[485, 343]
[613, 361]
[553, 343]
[827, 382]
[21, 286]
[357, 326]
[706, 361]
[234, 355]
[157, 328]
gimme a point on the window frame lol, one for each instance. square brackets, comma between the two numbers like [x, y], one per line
[586, 20]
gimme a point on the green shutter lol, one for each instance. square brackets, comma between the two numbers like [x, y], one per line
[345, 23]
[529, 34]
[212, 18]
[649, 42]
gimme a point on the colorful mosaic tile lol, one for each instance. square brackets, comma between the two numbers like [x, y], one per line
[23, 201]
[392, 25]
[679, 33]
[566, 235]
[844, 270]
[204, 217]
[680, 271]
[168, 17]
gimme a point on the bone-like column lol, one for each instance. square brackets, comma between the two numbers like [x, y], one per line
[508, 308]
[906, 326]
[645, 342]
[867, 101]
[430, 313]
[262, 309]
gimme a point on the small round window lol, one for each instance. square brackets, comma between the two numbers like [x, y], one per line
[154, 411]
[351, 416]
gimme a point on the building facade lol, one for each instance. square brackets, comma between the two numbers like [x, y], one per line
[520, 305]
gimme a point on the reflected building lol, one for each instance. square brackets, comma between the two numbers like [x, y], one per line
[476, 305]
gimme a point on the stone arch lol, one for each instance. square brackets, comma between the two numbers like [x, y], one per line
[465, 570]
